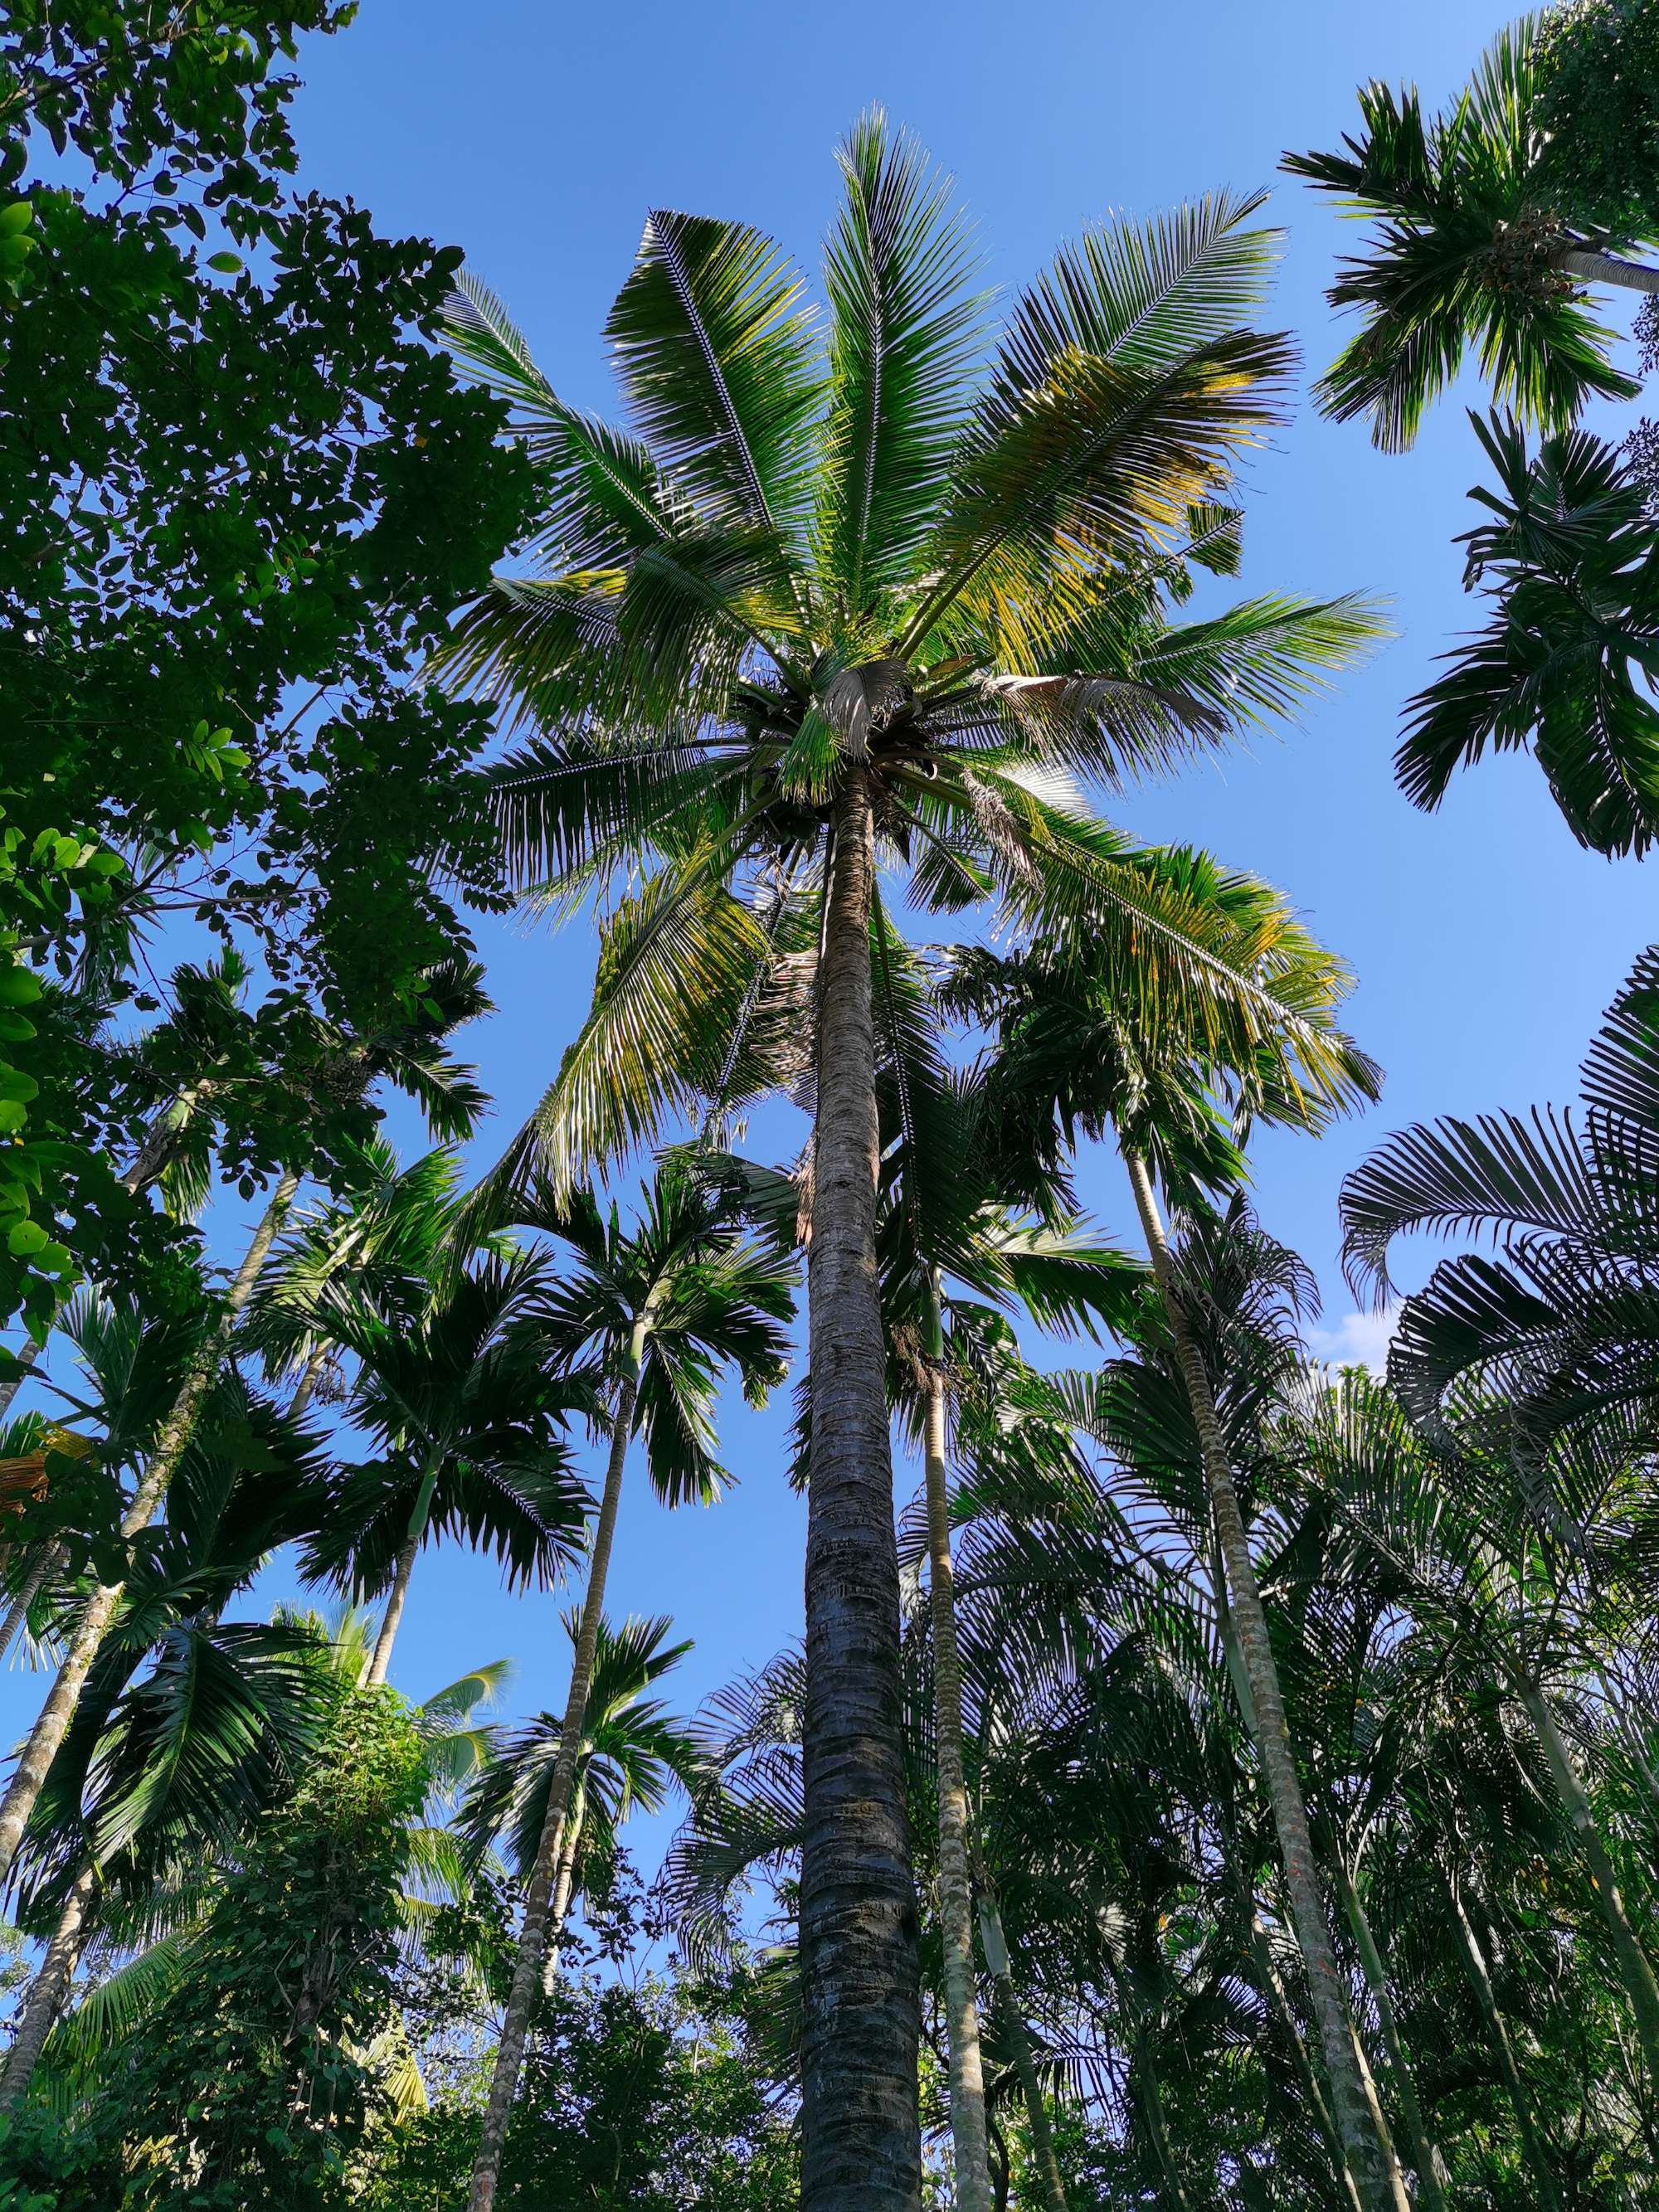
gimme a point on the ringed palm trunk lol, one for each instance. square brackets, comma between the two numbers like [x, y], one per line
[860, 2139]
[1474, 1965]
[398, 1594]
[1278, 1998]
[50, 1986]
[1376, 2169]
[170, 1444]
[1634, 1967]
[1592, 267]
[563, 1884]
[956, 1896]
[994, 1944]
[1426, 2155]
[543, 1874]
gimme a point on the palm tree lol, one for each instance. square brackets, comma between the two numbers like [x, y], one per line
[1072, 1061]
[844, 603]
[1474, 252]
[632, 1753]
[661, 1311]
[464, 1392]
[1571, 562]
[339, 1070]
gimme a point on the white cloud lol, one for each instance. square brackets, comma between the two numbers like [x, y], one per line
[1356, 1340]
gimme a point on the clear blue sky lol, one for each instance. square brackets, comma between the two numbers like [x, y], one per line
[537, 137]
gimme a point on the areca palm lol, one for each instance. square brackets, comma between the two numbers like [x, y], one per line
[632, 1752]
[1073, 1058]
[846, 603]
[1474, 252]
[408, 1050]
[1568, 662]
[660, 1312]
[465, 1392]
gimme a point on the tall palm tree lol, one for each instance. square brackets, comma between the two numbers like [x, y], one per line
[1473, 253]
[462, 1387]
[1070, 1059]
[661, 1311]
[837, 603]
[632, 1752]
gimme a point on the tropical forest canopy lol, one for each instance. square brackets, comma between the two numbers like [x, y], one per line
[1211, 1778]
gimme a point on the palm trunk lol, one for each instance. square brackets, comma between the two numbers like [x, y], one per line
[398, 1594]
[956, 1895]
[1278, 1999]
[1375, 2169]
[48, 1558]
[1633, 1965]
[171, 1442]
[1148, 2095]
[539, 1894]
[25, 1357]
[1426, 2155]
[995, 1947]
[310, 1375]
[50, 1987]
[1474, 1965]
[1597, 267]
[860, 2137]
[563, 1885]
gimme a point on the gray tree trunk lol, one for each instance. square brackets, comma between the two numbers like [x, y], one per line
[995, 1947]
[956, 1894]
[1634, 1967]
[50, 1986]
[1474, 1964]
[171, 1442]
[1370, 2157]
[1426, 2152]
[564, 1884]
[398, 1595]
[1279, 1997]
[860, 2135]
[538, 1893]
[1607, 269]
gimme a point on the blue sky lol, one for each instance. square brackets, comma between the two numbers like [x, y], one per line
[1485, 942]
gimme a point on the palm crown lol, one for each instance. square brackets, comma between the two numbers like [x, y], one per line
[857, 557]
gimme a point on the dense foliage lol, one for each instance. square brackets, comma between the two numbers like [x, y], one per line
[1230, 1784]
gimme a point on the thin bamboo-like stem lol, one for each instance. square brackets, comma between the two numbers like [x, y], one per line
[538, 1893]
[955, 1893]
[1367, 2149]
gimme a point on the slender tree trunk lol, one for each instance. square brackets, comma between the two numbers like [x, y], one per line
[1595, 268]
[860, 2137]
[1474, 1964]
[564, 1884]
[995, 1947]
[1278, 1998]
[1633, 1964]
[25, 1356]
[48, 1558]
[172, 1442]
[956, 1893]
[50, 1986]
[310, 1376]
[1426, 2155]
[396, 1597]
[1148, 2095]
[539, 1894]
[1375, 2169]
